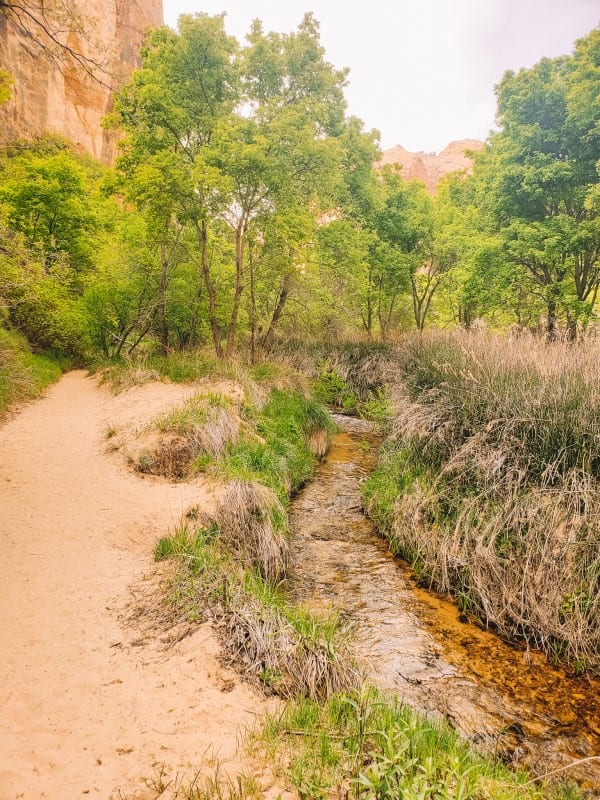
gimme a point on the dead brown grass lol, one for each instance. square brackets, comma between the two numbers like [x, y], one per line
[252, 521]
[201, 426]
[498, 457]
[297, 657]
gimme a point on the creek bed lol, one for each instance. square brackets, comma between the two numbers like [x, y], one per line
[505, 699]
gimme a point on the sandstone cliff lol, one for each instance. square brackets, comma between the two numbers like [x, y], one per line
[430, 167]
[64, 56]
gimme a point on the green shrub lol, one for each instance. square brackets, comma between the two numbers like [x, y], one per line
[333, 390]
[23, 374]
[378, 408]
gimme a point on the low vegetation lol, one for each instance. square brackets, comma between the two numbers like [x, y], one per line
[283, 441]
[23, 374]
[195, 432]
[288, 651]
[234, 563]
[490, 484]
[210, 783]
[364, 744]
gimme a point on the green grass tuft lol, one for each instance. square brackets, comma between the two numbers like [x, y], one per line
[23, 374]
[277, 451]
[366, 744]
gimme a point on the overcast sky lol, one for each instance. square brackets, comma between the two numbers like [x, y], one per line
[421, 71]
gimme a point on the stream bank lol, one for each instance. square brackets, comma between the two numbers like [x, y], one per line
[504, 699]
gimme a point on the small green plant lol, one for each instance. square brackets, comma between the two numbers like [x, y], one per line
[145, 462]
[202, 463]
[378, 408]
[332, 389]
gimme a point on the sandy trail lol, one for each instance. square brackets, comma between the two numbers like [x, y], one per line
[83, 711]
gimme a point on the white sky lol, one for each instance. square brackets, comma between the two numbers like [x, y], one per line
[421, 71]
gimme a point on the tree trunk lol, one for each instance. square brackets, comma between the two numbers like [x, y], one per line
[417, 304]
[551, 319]
[161, 309]
[239, 286]
[253, 315]
[368, 320]
[267, 340]
[202, 234]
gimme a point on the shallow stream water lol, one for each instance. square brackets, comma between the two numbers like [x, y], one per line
[505, 699]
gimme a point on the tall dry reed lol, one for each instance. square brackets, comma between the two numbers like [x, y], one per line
[496, 461]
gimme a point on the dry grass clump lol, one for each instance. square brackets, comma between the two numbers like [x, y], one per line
[122, 376]
[318, 442]
[289, 651]
[201, 426]
[293, 653]
[492, 484]
[523, 563]
[252, 522]
[364, 367]
[541, 401]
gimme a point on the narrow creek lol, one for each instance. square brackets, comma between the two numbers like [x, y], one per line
[505, 699]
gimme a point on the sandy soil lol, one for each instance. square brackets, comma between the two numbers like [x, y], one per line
[85, 711]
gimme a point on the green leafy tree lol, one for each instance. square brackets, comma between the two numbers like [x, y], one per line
[188, 83]
[539, 174]
[121, 296]
[51, 220]
[239, 140]
[46, 196]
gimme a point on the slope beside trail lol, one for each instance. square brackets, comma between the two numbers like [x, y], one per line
[85, 709]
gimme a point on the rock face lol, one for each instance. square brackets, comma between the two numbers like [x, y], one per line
[64, 57]
[430, 167]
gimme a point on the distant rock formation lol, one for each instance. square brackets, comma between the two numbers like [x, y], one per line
[52, 90]
[430, 167]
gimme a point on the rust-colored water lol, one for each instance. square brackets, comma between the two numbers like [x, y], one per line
[506, 699]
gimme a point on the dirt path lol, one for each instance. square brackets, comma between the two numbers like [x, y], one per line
[84, 712]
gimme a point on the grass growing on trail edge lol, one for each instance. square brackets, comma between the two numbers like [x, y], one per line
[283, 442]
[235, 565]
[287, 650]
[23, 374]
[209, 783]
[365, 744]
[193, 434]
[190, 366]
